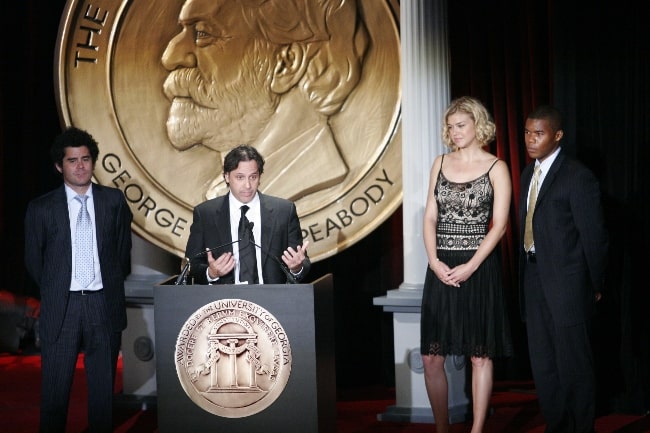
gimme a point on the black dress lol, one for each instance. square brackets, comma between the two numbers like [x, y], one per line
[469, 320]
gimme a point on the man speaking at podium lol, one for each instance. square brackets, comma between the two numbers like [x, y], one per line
[244, 236]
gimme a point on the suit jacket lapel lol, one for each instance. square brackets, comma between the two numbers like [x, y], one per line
[550, 177]
[62, 217]
[100, 205]
[268, 222]
[222, 222]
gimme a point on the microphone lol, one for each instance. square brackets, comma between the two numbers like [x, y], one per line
[285, 269]
[182, 277]
[201, 253]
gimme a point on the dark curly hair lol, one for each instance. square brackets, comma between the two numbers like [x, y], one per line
[73, 137]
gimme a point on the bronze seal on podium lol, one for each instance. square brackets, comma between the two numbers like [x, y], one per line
[233, 358]
[168, 87]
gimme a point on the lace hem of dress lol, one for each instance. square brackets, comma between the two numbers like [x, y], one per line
[475, 352]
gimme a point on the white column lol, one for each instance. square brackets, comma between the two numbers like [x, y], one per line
[150, 265]
[150, 260]
[425, 90]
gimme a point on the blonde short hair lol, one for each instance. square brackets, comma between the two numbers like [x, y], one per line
[485, 127]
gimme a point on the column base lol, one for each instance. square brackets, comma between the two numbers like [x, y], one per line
[457, 414]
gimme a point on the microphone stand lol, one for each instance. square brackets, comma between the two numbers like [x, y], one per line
[182, 277]
[290, 277]
[200, 253]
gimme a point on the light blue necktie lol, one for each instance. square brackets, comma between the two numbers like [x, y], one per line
[84, 271]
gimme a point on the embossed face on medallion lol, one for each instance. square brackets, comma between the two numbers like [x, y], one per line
[268, 74]
[233, 358]
[219, 78]
[167, 87]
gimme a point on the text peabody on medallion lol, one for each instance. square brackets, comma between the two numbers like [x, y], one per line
[123, 75]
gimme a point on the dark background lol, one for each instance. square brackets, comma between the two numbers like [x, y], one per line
[592, 62]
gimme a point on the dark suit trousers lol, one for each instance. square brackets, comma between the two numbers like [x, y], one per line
[86, 328]
[562, 363]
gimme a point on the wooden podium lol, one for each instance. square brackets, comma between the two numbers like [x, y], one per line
[306, 404]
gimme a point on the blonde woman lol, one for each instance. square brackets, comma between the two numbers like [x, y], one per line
[466, 214]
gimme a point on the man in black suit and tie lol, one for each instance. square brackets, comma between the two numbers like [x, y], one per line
[267, 231]
[563, 259]
[78, 251]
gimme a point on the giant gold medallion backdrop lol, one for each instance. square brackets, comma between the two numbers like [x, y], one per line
[168, 87]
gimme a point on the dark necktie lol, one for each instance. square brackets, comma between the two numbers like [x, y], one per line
[84, 271]
[247, 258]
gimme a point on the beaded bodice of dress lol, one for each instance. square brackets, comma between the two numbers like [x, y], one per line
[464, 211]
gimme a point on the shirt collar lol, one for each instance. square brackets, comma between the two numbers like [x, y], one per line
[236, 204]
[71, 194]
[546, 164]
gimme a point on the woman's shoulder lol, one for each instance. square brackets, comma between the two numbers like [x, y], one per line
[438, 161]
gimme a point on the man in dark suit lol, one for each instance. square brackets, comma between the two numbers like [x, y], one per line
[276, 242]
[561, 274]
[81, 290]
